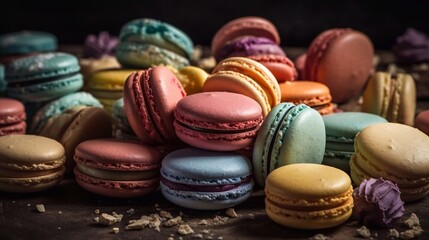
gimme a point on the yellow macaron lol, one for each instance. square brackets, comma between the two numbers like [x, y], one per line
[192, 78]
[308, 196]
[395, 152]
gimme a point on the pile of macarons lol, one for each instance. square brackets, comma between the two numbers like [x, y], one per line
[135, 114]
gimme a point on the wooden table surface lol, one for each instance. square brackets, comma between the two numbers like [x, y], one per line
[70, 213]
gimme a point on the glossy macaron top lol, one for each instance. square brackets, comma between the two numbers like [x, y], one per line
[309, 182]
[251, 25]
[110, 79]
[11, 111]
[151, 31]
[395, 148]
[30, 152]
[41, 66]
[201, 167]
[219, 111]
[27, 42]
[422, 121]
[342, 59]
[280, 66]
[118, 155]
[343, 126]
[150, 97]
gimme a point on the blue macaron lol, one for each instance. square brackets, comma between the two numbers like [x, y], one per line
[121, 127]
[59, 106]
[206, 180]
[25, 42]
[341, 129]
[43, 77]
[3, 82]
[289, 134]
[147, 42]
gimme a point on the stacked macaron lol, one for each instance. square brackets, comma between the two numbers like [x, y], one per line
[12, 117]
[149, 42]
[246, 36]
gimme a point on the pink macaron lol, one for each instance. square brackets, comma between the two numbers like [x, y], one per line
[150, 97]
[12, 117]
[280, 66]
[117, 168]
[220, 121]
[422, 121]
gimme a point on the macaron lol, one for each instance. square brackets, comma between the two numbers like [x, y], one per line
[308, 196]
[313, 94]
[244, 26]
[192, 78]
[341, 58]
[121, 126]
[150, 97]
[248, 46]
[20, 44]
[281, 67]
[117, 168]
[148, 42]
[12, 117]
[206, 180]
[395, 152]
[76, 125]
[3, 83]
[422, 121]
[30, 163]
[391, 96]
[57, 107]
[220, 121]
[107, 85]
[341, 129]
[43, 77]
[289, 134]
[247, 77]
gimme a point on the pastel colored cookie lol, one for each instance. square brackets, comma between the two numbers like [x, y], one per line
[30, 163]
[117, 168]
[422, 121]
[57, 107]
[12, 117]
[149, 42]
[43, 77]
[219, 121]
[285, 137]
[206, 180]
[107, 85]
[281, 67]
[313, 94]
[150, 97]
[392, 97]
[76, 125]
[341, 129]
[3, 82]
[244, 26]
[342, 59]
[308, 196]
[248, 46]
[121, 125]
[388, 150]
[247, 77]
[192, 78]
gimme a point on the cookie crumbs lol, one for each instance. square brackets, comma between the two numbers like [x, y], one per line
[172, 235]
[155, 221]
[137, 224]
[29, 205]
[230, 212]
[412, 233]
[412, 221]
[40, 208]
[157, 229]
[251, 216]
[59, 212]
[59, 228]
[131, 211]
[209, 237]
[205, 231]
[203, 222]
[320, 237]
[97, 211]
[165, 214]
[107, 219]
[198, 236]
[393, 233]
[184, 230]
[181, 214]
[173, 222]
[170, 238]
[363, 232]
[180, 238]
[220, 238]
[115, 230]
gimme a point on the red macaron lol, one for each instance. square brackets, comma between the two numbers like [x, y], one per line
[280, 66]
[150, 97]
[12, 117]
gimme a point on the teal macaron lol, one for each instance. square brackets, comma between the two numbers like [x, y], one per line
[121, 126]
[3, 82]
[25, 42]
[59, 106]
[43, 77]
[206, 180]
[147, 42]
[341, 129]
[289, 134]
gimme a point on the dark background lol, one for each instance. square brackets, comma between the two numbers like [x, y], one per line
[298, 22]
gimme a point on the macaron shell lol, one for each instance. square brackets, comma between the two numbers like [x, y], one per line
[109, 80]
[14, 128]
[422, 122]
[309, 93]
[27, 42]
[280, 66]
[404, 100]
[376, 94]
[192, 78]
[11, 111]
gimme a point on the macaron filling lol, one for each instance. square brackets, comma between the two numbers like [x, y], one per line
[204, 188]
[117, 175]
